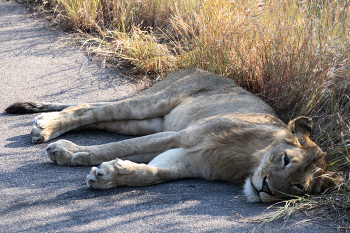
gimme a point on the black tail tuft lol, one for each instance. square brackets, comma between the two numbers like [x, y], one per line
[23, 107]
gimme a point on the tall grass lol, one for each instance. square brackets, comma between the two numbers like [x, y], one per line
[138, 28]
[294, 54]
[125, 15]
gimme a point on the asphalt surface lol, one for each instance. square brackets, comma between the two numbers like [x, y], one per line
[38, 196]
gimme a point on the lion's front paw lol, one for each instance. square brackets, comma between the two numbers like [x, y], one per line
[44, 127]
[64, 152]
[110, 174]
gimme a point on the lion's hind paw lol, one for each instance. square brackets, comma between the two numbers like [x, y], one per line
[64, 152]
[43, 127]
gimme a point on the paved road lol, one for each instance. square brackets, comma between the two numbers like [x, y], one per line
[38, 196]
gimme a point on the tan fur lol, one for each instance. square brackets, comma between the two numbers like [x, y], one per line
[194, 125]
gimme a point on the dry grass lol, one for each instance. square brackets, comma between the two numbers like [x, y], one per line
[294, 54]
[331, 207]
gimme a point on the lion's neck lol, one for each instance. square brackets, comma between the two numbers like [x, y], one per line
[232, 156]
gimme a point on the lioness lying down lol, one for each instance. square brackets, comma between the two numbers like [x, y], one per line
[193, 124]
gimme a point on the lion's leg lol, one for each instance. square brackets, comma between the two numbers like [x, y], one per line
[49, 125]
[129, 127]
[141, 149]
[173, 164]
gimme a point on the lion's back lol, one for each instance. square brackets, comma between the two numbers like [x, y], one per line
[191, 82]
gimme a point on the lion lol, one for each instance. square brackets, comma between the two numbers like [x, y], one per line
[192, 124]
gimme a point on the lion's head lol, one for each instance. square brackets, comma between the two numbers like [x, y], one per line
[292, 166]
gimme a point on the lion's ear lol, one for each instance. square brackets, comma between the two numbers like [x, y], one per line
[301, 127]
[326, 181]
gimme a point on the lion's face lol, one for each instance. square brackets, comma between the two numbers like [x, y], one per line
[292, 166]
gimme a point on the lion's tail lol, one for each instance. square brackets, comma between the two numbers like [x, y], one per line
[33, 107]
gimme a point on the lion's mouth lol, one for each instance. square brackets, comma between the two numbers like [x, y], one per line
[264, 188]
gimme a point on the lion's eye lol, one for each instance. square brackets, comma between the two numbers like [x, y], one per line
[299, 186]
[286, 160]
